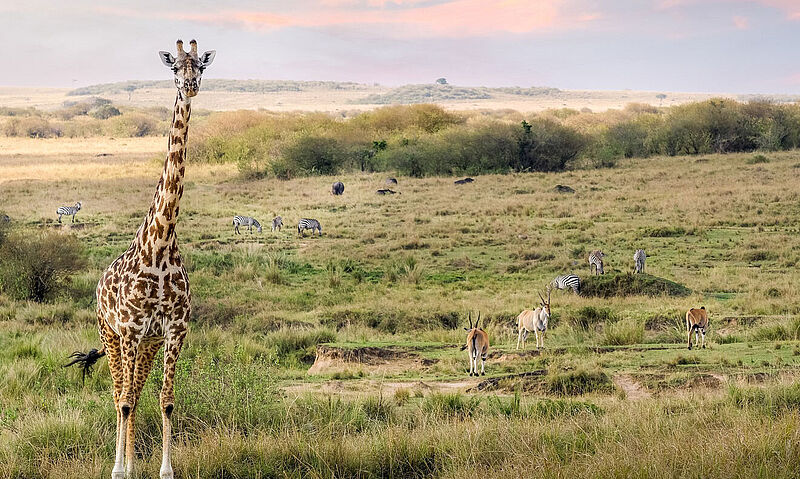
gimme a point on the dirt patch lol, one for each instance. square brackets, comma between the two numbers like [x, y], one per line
[330, 359]
[370, 387]
[633, 390]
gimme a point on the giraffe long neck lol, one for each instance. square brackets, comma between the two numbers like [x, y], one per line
[158, 228]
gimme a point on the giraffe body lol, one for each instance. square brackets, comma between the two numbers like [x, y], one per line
[143, 297]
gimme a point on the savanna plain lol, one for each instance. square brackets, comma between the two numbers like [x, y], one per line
[339, 355]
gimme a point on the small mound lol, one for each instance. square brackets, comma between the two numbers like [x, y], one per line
[609, 285]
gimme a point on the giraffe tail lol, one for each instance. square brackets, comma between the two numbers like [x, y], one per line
[85, 361]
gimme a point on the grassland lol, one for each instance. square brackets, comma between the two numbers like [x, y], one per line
[337, 356]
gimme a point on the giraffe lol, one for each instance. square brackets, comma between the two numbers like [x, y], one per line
[143, 298]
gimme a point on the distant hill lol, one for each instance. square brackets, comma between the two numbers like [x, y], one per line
[211, 84]
[437, 93]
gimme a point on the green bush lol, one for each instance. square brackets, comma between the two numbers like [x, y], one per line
[627, 331]
[38, 267]
[627, 284]
[576, 383]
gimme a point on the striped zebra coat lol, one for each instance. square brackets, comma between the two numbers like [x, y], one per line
[638, 261]
[68, 211]
[308, 224]
[245, 221]
[571, 281]
[277, 223]
[596, 262]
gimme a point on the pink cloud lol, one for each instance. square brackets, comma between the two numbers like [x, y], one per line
[454, 18]
[741, 23]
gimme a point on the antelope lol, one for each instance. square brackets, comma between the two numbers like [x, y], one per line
[696, 320]
[477, 345]
[535, 321]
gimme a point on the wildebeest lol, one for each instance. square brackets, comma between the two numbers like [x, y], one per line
[464, 181]
[391, 181]
[564, 189]
[477, 345]
[337, 188]
[386, 191]
[5, 219]
[696, 320]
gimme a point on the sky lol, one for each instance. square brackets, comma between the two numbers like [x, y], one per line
[730, 46]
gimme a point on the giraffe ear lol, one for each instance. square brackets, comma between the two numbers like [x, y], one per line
[207, 57]
[166, 58]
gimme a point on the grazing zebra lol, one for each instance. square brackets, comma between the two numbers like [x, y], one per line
[337, 188]
[696, 320]
[477, 346]
[638, 261]
[565, 281]
[277, 223]
[245, 221]
[596, 261]
[308, 224]
[535, 321]
[391, 181]
[68, 211]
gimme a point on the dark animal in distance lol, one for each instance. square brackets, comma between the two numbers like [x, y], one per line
[464, 181]
[5, 219]
[564, 189]
[337, 188]
[391, 181]
[386, 191]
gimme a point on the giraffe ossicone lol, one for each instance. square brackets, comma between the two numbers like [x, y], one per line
[143, 297]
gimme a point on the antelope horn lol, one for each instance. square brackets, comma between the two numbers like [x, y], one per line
[478, 320]
[469, 315]
[540, 295]
[193, 47]
[179, 44]
[548, 294]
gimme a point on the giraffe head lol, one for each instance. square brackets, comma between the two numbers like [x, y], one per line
[188, 67]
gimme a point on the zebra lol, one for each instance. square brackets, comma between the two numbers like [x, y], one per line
[245, 221]
[337, 188]
[596, 260]
[638, 261]
[68, 211]
[277, 223]
[308, 224]
[565, 281]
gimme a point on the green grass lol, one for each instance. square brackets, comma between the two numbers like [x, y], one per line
[401, 274]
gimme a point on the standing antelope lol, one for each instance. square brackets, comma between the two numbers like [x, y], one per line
[535, 321]
[696, 320]
[596, 260]
[477, 345]
[638, 261]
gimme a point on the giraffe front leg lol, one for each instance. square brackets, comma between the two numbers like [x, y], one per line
[144, 363]
[111, 343]
[129, 345]
[172, 349]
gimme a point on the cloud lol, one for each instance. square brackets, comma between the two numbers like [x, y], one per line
[450, 18]
[790, 8]
[741, 23]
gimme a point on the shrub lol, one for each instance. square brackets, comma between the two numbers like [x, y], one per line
[576, 383]
[38, 267]
[314, 155]
[134, 125]
[627, 331]
[30, 127]
[104, 112]
[627, 284]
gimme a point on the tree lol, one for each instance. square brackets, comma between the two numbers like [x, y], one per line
[661, 98]
[441, 81]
